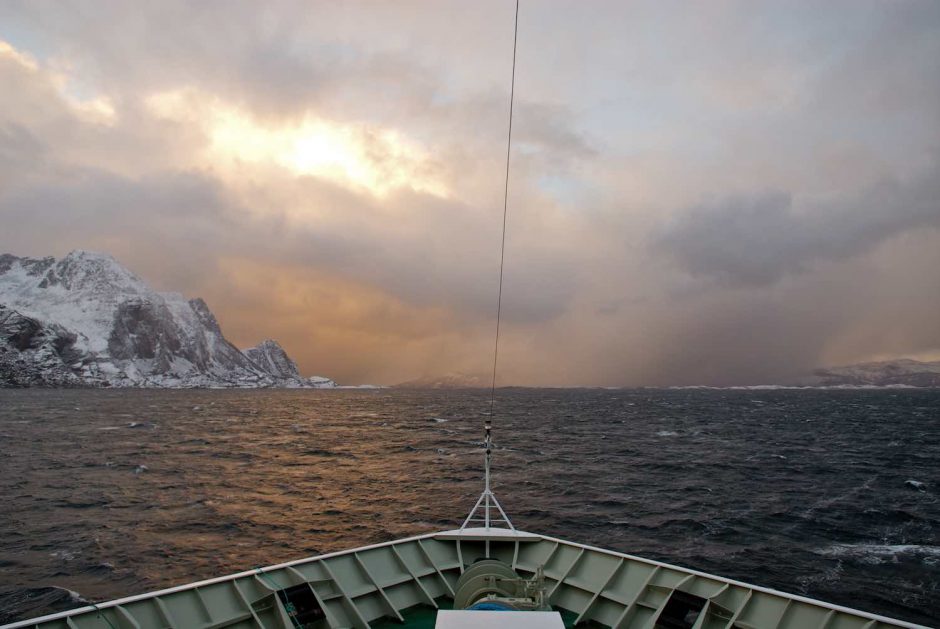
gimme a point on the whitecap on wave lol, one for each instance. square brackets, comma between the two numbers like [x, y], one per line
[64, 555]
[883, 553]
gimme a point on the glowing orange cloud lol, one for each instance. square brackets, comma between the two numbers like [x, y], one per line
[362, 158]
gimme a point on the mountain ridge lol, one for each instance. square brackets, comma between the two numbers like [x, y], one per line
[900, 372]
[897, 372]
[86, 320]
[451, 380]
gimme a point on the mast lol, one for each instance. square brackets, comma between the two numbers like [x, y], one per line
[487, 500]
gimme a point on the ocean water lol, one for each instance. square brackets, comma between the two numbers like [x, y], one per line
[109, 493]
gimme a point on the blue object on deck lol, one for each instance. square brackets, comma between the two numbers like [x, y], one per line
[492, 606]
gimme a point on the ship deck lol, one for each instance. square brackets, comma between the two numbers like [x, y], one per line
[404, 582]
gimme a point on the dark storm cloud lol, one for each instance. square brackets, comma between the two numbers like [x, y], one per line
[551, 127]
[759, 239]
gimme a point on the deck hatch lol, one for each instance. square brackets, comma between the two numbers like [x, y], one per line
[681, 611]
[301, 604]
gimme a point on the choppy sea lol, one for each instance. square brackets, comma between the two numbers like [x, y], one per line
[827, 493]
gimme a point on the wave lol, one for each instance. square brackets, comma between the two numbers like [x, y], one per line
[584, 465]
[883, 553]
[17, 603]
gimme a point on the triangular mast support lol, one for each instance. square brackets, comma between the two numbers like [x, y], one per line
[487, 501]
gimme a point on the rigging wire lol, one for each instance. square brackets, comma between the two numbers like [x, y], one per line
[502, 250]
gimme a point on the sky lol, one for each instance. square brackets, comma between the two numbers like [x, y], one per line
[724, 192]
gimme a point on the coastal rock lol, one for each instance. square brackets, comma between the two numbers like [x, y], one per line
[271, 357]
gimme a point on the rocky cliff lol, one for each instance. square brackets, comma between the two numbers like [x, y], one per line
[271, 357]
[87, 320]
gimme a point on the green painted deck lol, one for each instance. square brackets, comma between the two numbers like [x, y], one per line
[398, 583]
[417, 617]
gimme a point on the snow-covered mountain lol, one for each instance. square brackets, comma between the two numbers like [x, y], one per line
[903, 371]
[87, 320]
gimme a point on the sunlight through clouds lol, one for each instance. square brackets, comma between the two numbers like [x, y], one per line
[362, 158]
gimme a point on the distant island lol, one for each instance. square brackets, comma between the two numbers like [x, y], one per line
[446, 381]
[86, 320]
[901, 372]
[898, 373]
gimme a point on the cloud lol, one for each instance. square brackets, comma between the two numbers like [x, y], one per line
[188, 228]
[757, 240]
[371, 159]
